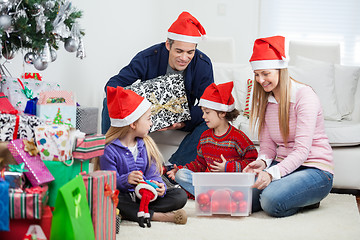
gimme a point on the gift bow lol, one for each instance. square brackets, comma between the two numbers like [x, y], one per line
[77, 201]
[112, 194]
[30, 147]
[35, 190]
[18, 168]
[173, 105]
[28, 92]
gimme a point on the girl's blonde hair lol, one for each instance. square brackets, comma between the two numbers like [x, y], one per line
[260, 100]
[153, 152]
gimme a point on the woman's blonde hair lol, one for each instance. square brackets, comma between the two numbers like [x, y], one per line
[153, 152]
[260, 100]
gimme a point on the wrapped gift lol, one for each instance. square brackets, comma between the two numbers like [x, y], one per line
[89, 147]
[5, 105]
[38, 172]
[87, 119]
[4, 205]
[29, 203]
[18, 126]
[54, 142]
[57, 106]
[168, 98]
[63, 173]
[19, 90]
[103, 198]
[19, 227]
[16, 179]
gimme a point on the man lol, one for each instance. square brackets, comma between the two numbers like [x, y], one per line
[177, 55]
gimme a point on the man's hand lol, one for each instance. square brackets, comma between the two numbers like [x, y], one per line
[174, 126]
[172, 172]
[218, 166]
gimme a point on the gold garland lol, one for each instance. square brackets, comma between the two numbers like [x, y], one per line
[173, 105]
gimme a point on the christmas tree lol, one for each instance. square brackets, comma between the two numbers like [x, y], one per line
[37, 27]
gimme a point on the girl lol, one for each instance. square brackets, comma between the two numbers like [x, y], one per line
[295, 153]
[222, 148]
[135, 157]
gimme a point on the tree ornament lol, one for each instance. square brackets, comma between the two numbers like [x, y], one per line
[80, 53]
[30, 57]
[8, 54]
[5, 22]
[49, 4]
[71, 45]
[53, 55]
[40, 65]
[45, 54]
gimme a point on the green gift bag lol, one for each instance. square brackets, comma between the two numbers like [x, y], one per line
[71, 217]
[62, 174]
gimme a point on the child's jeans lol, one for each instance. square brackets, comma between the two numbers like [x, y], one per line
[184, 178]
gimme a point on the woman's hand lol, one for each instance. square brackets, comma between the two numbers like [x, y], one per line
[218, 166]
[255, 166]
[172, 172]
[263, 180]
[135, 177]
[161, 188]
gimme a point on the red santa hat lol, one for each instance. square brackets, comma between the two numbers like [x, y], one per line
[218, 97]
[125, 106]
[186, 28]
[269, 53]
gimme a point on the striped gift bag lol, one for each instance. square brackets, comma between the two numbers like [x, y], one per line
[28, 204]
[102, 198]
[89, 147]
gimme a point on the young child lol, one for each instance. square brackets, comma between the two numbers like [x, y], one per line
[136, 159]
[222, 148]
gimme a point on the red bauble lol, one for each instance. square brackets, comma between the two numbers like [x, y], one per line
[203, 199]
[215, 206]
[237, 196]
[210, 192]
[205, 208]
[234, 206]
[242, 206]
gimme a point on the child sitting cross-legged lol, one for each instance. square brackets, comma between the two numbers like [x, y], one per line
[135, 158]
[222, 148]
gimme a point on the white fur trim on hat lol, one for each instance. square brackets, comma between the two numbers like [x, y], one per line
[146, 186]
[183, 38]
[135, 115]
[269, 64]
[216, 106]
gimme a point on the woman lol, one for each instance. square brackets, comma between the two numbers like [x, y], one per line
[294, 168]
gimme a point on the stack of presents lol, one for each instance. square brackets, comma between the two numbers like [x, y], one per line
[46, 143]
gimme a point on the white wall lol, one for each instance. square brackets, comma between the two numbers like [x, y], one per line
[116, 30]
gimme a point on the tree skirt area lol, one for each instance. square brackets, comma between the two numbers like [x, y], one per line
[336, 218]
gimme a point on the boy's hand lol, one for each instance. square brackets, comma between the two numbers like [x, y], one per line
[218, 166]
[172, 172]
[161, 188]
[135, 177]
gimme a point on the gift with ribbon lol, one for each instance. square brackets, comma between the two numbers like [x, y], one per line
[71, 217]
[15, 176]
[87, 119]
[37, 171]
[168, 97]
[28, 204]
[18, 126]
[89, 147]
[4, 205]
[57, 106]
[103, 199]
[20, 90]
[5, 105]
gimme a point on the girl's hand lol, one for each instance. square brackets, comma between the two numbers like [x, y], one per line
[218, 166]
[135, 177]
[161, 188]
[255, 167]
[263, 180]
[172, 172]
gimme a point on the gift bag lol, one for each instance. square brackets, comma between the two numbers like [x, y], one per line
[103, 199]
[63, 173]
[18, 126]
[168, 97]
[28, 204]
[87, 119]
[4, 205]
[19, 90]
[89, 147]
[54, 142]
[37, 171]
[57, 106]
[71, 217]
